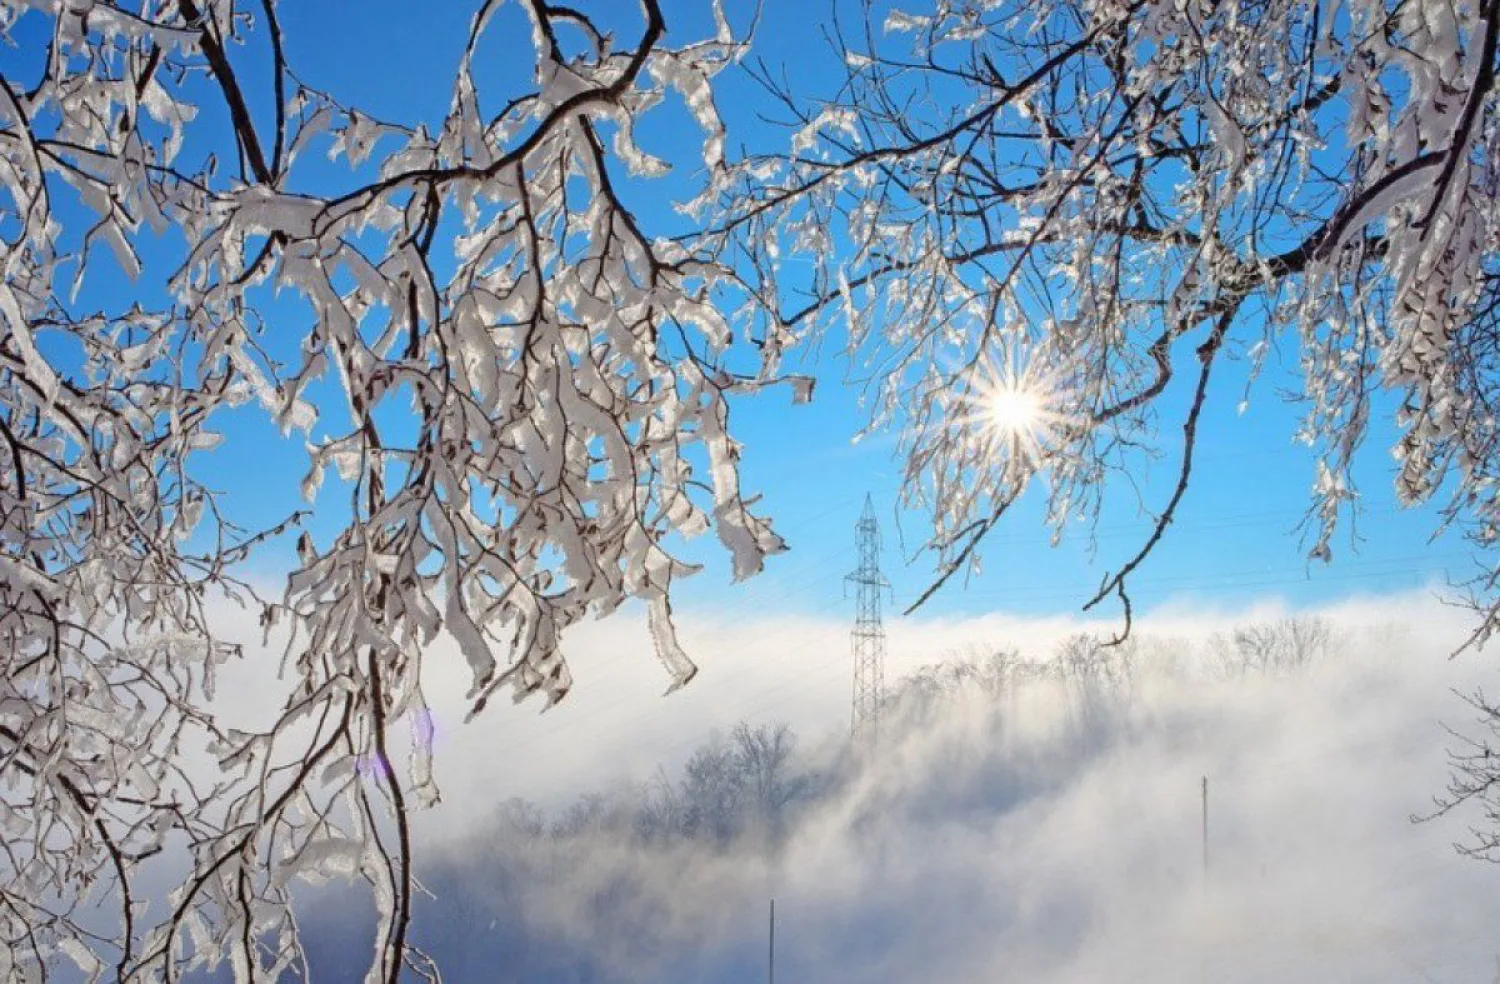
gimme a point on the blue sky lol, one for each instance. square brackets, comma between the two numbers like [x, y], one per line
[1234, 539]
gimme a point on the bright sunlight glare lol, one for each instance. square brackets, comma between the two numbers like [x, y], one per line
[1013, 411]
[1016, 409]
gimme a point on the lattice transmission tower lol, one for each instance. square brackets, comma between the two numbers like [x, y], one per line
[868, 638]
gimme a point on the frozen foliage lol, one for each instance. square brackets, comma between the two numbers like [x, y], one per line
[529, 393]
[1103, 199]
[530, 398]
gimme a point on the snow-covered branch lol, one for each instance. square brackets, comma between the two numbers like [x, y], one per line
[529, 387]
[1090, 194]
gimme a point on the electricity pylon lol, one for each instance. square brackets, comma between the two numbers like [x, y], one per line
[868, 638]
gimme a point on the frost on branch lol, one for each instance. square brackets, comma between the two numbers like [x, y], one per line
[533, 395]
[1105, 198]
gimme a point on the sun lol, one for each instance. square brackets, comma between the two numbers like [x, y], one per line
[1013, 411]
[1016, 408]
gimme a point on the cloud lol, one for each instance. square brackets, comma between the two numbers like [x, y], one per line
[762, 666]
[1050, 835]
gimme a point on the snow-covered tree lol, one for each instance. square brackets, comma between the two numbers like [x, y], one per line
[1045, 223]
[529, 398]
[1032, 214]
[1285, 646]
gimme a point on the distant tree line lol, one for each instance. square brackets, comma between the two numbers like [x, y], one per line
[1082, 659]
[746, 784]
[751, 783]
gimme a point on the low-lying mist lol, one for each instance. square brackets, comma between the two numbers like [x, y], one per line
[1015, 818]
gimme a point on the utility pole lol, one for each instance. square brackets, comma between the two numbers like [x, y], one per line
[771, 963]
[1205, 827]
[868, 638]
